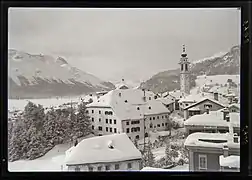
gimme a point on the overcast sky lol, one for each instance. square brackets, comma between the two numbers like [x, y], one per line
[124, 43]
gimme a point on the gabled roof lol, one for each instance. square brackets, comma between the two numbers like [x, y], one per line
[97, 150]
[214, 118]
[177, 94]
[234, 105]
[203, 100]
[129, 103]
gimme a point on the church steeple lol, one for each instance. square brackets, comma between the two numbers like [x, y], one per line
[184, 72]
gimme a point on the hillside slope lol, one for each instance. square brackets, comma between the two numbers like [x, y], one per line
[224, 63]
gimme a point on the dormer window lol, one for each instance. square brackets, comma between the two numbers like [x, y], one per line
[138, 108]
[149, 107]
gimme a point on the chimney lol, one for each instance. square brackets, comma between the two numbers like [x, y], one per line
[216, 98]
[225, 150]
[236, 139]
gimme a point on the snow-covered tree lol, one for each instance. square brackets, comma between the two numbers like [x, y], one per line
[148, 157]
[83, 121]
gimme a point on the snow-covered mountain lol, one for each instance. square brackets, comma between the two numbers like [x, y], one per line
[218, 64]
[43, 76]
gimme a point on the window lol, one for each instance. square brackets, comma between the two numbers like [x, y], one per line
[107, 121]
[127, 123]
[116, 166]
[158, 125]
[99, 168]
[99, 119]
[110, 129]
[150, 118]
[114, 130]
[87, 111]
[99, 112]
[138, 108]
[202, 162]
[100, 128]
[149, 98]
[129, 165]
[150, 125]
[153, 118]
[107, 167]
[157, 117]
[77, 168]
[120, 94]
[181, 67]
[110, 121]
[92, 119]
[100, 135]
[93, 127]
[162, 124]
[106, 129]
[137, 136]
[92, 111]
[166, 116]
[186, 68]
[90, 168]
[114, 121]
[186, 104]
[127, 130]
[162, 117]
[132, 129]
[125, 101]
[166, 124]
[149, 107]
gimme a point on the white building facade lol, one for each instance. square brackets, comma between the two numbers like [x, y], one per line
[131, 111]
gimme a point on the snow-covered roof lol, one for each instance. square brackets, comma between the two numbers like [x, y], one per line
[97, 150]
[230, 161]
[199, 140]
[214, 118]
[194, 97]
[129, 103]
[177, 94]
[167, 100]
[235, 105]
[194, 109]
[202, 100]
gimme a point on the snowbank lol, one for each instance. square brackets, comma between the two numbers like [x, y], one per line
[230, 161]
[177, 168]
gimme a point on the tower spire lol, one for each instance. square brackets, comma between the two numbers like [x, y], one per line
[184, 51]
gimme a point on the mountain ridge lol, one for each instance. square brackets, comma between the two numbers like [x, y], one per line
[37, 76]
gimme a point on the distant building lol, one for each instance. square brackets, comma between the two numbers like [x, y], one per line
[168, 102]
[201, 107]
[131, 111]
[206, 150]
[114, 152]
[213, 122]
[177, 95]
[184, 73]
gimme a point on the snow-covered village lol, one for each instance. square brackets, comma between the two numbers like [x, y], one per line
[185, 118]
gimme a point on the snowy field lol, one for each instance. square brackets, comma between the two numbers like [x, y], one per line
[19, 104]
[51, 161]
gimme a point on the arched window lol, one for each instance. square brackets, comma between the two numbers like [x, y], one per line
[181, 67]
[186, 68]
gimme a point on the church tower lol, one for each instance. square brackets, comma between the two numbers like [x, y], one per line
[184, 73]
